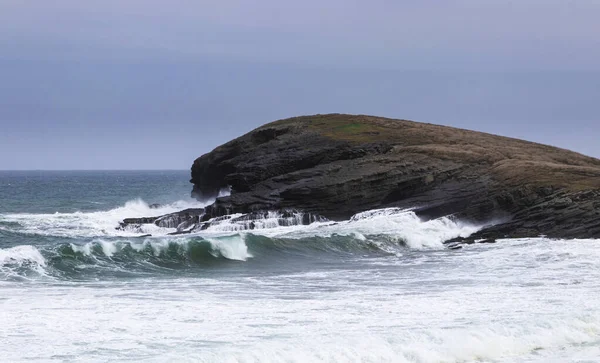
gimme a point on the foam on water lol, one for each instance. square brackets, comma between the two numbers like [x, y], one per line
[543, 342]
[16, 258]
[20, 255]
[231, 247]
[402, 226]
[268, 220]
[379, 287]
[543, 305]
[121, 254]
[387, 230]
[93, 224]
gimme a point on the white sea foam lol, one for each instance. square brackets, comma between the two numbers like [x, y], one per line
[403, 226]
[95, 224]
[530, 300]
[21, 256]
[231, 247]
[269, 220]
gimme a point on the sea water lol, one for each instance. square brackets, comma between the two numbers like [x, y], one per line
[380, 287]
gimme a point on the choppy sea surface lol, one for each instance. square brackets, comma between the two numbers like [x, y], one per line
[380, 287]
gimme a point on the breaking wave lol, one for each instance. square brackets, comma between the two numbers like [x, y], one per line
[402, 223]
[89, 224]
[21, 261]
[78, 244]
[118, 257]
[128, 256]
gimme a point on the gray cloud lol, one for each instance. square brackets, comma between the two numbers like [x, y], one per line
[459, 34]
[153, 84]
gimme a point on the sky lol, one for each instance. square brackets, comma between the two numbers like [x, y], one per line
[148, 84]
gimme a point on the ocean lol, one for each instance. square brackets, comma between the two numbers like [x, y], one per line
[380, 287]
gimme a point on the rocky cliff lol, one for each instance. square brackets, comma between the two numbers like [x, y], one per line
[337, 165]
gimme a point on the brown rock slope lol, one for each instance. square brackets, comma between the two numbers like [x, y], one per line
[337, 165]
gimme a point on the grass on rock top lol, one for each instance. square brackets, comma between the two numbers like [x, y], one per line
[357, 129]
[512, 160]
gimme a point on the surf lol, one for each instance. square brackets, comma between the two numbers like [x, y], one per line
[72, 244]
[404, 223]
[88, 224]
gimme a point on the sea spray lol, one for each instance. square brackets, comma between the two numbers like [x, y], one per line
[20, 261]
[91, 224]
[401, 226]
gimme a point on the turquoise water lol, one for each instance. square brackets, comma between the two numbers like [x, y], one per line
[380, 287]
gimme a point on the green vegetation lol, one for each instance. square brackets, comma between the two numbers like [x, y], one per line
[511, 160]
[351, 128]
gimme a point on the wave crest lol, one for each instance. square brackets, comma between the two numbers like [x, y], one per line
[119, 257]
[385, 231]
[20, 261]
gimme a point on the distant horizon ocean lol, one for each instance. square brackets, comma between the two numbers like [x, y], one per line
[380, 287]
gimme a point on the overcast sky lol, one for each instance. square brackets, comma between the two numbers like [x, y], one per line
[147, 84]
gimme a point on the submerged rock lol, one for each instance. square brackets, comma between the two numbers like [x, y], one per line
[338, 165]
[454, 246]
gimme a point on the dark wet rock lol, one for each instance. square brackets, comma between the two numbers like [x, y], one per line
[180, 220]
[264, 219]
[191, 220]
[284, 218]
[142, 220]
[180, 232]
[339, 165]
[136, 223]
[183, 220]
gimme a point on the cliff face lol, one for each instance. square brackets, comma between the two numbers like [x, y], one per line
[338, 165]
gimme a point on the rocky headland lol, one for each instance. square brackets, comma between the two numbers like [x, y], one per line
[336, 165]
